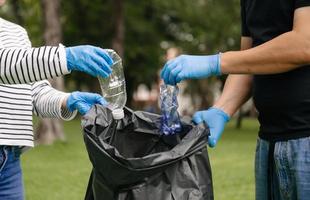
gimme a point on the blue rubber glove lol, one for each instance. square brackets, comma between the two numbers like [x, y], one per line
[190, 67]
[83, 101]
[215, 119]
[92, 60]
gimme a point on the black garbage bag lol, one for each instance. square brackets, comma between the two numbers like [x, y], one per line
[132, 160]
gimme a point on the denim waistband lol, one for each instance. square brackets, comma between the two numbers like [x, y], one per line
[16, 150]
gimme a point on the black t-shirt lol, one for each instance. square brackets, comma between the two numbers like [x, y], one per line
[282, 100]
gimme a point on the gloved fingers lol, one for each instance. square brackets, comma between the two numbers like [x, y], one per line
[85, 98]
[216, 133]
[165, 67]
[212, 142]
[95, 70]
[102, 101]
[98, 99]
[102, 53]
[85, 95]
[181, 76]
[174, 74]
[168, 72]
[87, 67]
[197, 117]
[82, 107]
[165, 70]
[214, 137]
[102, 63]
[90, 97]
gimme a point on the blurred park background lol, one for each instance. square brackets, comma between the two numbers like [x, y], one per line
[145, 33]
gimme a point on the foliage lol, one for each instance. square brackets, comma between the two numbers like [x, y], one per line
[151, 26]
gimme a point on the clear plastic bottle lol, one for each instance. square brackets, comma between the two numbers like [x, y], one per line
[170, 120]
[113, 88]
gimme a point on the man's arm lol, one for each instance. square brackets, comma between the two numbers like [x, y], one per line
[236, 92]
[237, 87]
[284, 53]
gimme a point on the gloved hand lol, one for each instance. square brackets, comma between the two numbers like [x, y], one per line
[83, 101]
[190, 67]
[92, 60]
[215, 119]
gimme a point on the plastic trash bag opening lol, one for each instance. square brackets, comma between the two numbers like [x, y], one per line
[139, 131]
[132, 160]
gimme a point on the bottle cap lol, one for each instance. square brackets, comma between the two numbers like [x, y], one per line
[118, 113]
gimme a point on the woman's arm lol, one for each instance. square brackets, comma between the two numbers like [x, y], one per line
[26, 65]
[48, 102]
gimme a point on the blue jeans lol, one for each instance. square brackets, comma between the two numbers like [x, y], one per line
[11, 183]
[291, 177]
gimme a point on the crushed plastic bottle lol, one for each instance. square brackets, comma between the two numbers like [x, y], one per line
[113, 88]
[170, 119]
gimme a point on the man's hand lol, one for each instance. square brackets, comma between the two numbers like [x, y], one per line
[215, 119]
[83, 101]
[190, 67]
[89, 59]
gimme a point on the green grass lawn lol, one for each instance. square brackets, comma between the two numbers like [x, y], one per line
[232, 162]
[61, 171]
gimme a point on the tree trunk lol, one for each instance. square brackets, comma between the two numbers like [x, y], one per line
[118, 40]
[51, 129]
[16, 10]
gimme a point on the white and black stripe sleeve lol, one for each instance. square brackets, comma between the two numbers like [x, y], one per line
[26, 65]
[47, 102]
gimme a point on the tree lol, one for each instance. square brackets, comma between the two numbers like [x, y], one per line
[118, 39]
[152, 26]
[16, 11]
[50, 129]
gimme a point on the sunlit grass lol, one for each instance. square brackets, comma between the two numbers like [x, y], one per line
[233, 162]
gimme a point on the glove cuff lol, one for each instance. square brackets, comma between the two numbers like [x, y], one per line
[70, 102]
[218, 70]
[65, 113]
[214, 64]
[68, 58]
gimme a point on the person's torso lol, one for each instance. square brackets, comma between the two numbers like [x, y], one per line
[15, 100]
[282, 100]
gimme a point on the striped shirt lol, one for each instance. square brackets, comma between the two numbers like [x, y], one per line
[23, 88]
